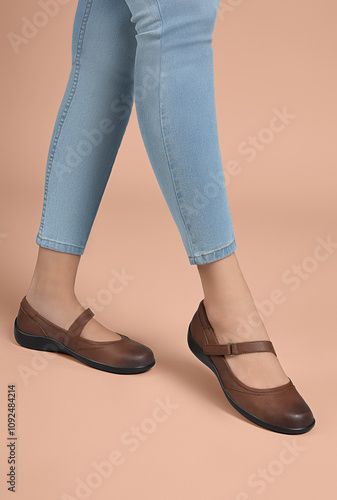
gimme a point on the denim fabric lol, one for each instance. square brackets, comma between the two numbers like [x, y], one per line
[158, 53]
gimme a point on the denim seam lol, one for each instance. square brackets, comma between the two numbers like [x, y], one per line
[208, 253]
[66, 108]
[162, 127]
[60, 243]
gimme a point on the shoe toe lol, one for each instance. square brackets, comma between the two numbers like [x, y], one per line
[138, 355]
[299, 420]
[293, 413]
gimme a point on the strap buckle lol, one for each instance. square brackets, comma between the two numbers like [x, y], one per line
[230, 349]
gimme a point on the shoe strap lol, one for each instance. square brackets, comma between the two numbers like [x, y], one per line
[239, 348]
[77, 326]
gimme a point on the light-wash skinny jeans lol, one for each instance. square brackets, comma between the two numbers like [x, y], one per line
[158, 53]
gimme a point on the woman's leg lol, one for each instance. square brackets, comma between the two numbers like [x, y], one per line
[233, 315]
[174, 95]
[88, 131]
[90, 123]
[177, 119]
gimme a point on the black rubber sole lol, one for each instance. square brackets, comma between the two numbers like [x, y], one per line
[46, 344]
[199, 353]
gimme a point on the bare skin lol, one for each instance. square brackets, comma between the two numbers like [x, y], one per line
[52, 293]
[227, 297]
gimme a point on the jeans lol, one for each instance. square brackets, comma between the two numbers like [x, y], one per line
[158, 53]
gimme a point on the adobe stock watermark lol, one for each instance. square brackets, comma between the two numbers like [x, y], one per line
[38, 363]
[48, 9]
[293, 278]
[116, 285]
[249, 149]
[129, 442]
[226, 6]
[31, 27]
[259, 480]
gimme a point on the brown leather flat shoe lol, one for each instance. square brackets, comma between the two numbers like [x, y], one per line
[124, 356]
[280, 409]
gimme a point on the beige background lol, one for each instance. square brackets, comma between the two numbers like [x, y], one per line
[268, 55]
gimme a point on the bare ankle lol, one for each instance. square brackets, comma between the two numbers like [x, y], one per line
[51, 292]
[54, 275]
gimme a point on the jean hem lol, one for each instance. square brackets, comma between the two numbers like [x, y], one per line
[59, 247]
[214, 255]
